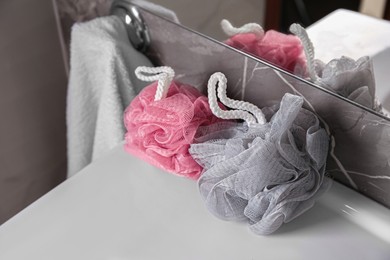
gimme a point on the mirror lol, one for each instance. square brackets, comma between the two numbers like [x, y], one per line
[366, 37]
[360, 138]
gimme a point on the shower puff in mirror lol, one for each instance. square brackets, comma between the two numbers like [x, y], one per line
[349, 78]
[266, 172]
[353, 79]
[283, 50]
[162, 120]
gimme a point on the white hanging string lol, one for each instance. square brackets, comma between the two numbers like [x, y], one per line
[237, 104]
[254, 117]
[230, 30]
[308, 48]
[163, 74]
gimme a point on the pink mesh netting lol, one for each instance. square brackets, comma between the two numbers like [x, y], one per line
[160, 132]
[285, 51]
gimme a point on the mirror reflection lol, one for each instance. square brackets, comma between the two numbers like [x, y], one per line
[341, 46]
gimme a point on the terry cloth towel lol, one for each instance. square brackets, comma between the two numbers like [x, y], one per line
[102, 84]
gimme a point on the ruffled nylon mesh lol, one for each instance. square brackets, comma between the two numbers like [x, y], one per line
[265, 174]
[349, 78]
[285, 51]
[160, 132]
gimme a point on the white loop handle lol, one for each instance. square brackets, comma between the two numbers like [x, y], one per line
[163, 74]
[242, 106]
[237, 104]
[308, 48]
[230, 30]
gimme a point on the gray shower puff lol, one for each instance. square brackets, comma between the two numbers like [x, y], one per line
[349, 78]
[264, 174]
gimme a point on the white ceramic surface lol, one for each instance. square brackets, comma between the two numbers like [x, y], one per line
[122, 208]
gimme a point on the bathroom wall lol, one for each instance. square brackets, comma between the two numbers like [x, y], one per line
[32, 104]
[205, 16]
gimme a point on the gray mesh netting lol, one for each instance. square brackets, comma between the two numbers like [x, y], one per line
[266, 174]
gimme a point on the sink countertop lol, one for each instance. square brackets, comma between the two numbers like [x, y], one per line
[120, 208]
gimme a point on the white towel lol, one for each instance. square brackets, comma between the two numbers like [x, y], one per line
[102, 83]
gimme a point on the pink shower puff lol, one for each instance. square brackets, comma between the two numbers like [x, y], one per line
[161, 131]
[283, 50]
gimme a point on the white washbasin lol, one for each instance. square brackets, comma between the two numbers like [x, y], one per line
[122, 208]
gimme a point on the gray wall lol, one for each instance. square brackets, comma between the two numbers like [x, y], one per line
[205, 15]
[32, 104]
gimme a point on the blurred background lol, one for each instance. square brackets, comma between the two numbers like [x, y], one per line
[34, 58]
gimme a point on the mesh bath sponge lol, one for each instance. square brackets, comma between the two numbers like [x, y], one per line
[162, 120]
[267, 170]
[283, 50]
[353, 79]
